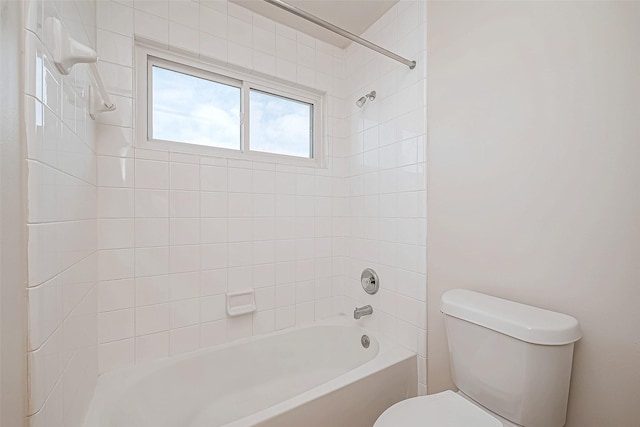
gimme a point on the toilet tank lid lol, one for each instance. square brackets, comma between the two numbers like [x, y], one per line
[524, 322]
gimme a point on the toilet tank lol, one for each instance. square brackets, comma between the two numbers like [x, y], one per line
[511, 358]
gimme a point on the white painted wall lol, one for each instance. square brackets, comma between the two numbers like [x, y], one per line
[61, 222]
[534, 141]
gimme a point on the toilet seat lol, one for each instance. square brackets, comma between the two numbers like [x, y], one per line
[446, 409]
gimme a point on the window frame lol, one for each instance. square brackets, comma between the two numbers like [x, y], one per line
[228, 74]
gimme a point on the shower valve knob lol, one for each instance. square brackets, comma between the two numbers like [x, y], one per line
[369, 281]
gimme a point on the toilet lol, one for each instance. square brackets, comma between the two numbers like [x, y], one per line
[511, 363]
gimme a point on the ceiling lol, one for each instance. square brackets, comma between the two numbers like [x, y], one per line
[352, 15]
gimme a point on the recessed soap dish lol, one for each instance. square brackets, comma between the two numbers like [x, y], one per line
[239, 303]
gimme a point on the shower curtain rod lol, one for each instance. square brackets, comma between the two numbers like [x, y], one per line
[344, 33]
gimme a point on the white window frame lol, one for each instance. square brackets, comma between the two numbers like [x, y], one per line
[148, 56]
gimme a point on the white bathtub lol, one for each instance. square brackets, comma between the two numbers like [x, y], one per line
[318, 375]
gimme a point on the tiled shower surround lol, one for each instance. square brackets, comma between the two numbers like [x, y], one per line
[177, 231]
[61, 223]
[387, 224]
[174, 232]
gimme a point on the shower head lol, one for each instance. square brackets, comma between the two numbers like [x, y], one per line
[370, 96]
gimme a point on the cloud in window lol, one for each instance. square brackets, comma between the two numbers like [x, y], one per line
[194, 110]
[280, 125]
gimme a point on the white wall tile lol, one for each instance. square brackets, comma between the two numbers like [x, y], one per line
[115, 325]
[213, 230]
[184, 204]
[116, 354]
[150, 174]
[240, 205]
[213, 178]
[240, 55]
[184, 176]
[151, 261]
[213, 308]
[265, 298]
[116, 294]
[115, 264]
[184, 37]
[214, 204]
[264, 322]
[239, 229]
[115, 233]
[151, 347]
[213, 47]
[285, 317]
[184, 258]
[152, 318]
[185, 313]
[184, 340]
[151, 26]
[151, 203]
[240, 180]
[240, 278]
[239, 31]
[46, 365]
[185, 13]
[185, 285]
[45, 311]
[239, 12]
[115, 202]
[213, 256]
[239, 327]
[152, 290]
[151, 232]
[213, 282]
[213, 333]
[305, 313]
[264, 228]
[239, 254]
[115, 48]
[185, 231]
[213, 22]
[115, 17]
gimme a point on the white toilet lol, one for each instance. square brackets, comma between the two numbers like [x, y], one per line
[510, 361]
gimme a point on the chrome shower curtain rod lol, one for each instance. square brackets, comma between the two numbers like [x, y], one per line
[344, 33]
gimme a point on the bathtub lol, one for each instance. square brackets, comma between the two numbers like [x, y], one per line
[319, 375]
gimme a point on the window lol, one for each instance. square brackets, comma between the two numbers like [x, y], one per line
[197, 107]
[281, 125]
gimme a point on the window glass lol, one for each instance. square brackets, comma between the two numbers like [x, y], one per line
[194, 110]
[280, 125]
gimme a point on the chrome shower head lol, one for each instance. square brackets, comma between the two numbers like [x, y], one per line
[370, 96]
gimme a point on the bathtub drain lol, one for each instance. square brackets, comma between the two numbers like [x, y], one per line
[365, 341]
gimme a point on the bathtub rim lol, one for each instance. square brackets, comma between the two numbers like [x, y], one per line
[110, 384]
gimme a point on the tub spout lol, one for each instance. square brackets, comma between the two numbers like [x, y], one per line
[362, 311]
